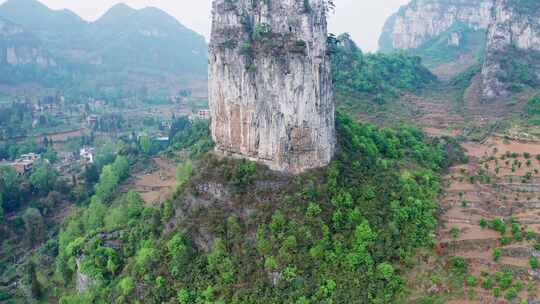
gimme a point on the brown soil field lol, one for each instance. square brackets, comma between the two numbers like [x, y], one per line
[501, 181]
[155, 184]
[488, 188]
[62, 136]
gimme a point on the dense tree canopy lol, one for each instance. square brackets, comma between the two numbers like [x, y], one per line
[43, 177]
[379, 75]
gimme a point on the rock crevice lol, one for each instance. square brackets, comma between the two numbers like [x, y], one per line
[270, 85]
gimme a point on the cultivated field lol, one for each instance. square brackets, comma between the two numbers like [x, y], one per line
[155, 183]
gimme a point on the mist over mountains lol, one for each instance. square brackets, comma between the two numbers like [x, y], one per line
[38, 44]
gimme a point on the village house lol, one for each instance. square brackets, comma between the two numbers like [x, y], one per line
[92, 119]
[37, 108]
[25, 163]
[30, 157]
[201, 114]
[204, 114]
[87, 155]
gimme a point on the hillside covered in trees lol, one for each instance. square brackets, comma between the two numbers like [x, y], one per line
[235, 232]
[376, 77]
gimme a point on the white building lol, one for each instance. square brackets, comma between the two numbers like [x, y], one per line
[87, 155]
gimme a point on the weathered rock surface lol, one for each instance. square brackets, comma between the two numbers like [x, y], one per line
[514, 32]
[83, 281]
[419, 21]
[510, 28]
[270, 85]
[18, 47]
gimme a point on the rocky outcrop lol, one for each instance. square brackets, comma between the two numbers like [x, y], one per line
[513, 48]
[28, 55]
[18, 47]
[270, 86]
[421, 20]
[445, 32]
[83, 281]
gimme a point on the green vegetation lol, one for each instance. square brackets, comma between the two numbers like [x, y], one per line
[534, 263]
[472, 281]
[498, 225]
[183, 172]
[483, 223]
[99, 213]
[110, 178]
[525, 7]
[532, 110]
[19, 191]
[511, 294]
[454, 232]
[438, 50]
[380, 76]
[193, 136]
[18, 119]
[335, 235]
[517, 68]
[33, 204]
[497, 253]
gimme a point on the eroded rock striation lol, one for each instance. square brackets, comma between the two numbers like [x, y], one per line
[270, 85]
[421, 20]
[513, 48]
[18, 47]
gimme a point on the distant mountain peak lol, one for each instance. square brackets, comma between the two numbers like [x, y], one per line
[125, 18]
[34, 15]
[33, 6]
[123, 10]
[124, 38]
[120, 8]
[26, 3]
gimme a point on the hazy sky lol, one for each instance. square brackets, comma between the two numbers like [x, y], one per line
[363, 19]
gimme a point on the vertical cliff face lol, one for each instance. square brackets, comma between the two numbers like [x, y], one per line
[513, 48]
[18, 47]
[422, 20]
[270, 85]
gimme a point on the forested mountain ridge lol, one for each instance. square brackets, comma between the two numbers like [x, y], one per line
[370, 85]
[147, 38]
[444, 33]
[122, 40]
[453, 35]
[378, 75]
